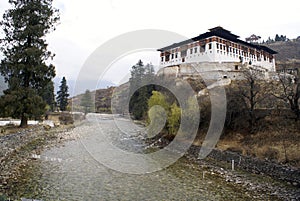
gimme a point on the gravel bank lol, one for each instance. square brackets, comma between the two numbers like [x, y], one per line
[266, 178]
[18, 148]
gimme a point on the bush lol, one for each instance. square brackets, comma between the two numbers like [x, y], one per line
[3, 198]
[66, 118]
[269, 153]
[235, 149]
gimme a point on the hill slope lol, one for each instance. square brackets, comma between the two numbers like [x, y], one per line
[287, 51]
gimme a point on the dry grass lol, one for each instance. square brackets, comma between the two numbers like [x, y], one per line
[5, 130]
[279, 141]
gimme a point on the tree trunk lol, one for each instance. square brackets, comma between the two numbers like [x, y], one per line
[24, 121]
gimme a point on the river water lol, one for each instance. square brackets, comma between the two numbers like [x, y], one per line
[72, 172]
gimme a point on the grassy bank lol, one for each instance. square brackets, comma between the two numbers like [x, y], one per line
[277, 141]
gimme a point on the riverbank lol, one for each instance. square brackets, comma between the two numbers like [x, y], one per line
[270, 180]
[261, 176]
[19, 146]
[23, 149]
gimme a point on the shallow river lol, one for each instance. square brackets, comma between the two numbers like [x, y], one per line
[72, 172]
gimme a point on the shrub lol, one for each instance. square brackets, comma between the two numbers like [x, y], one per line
[269, 153]
[66, 118]
[3, 198]
[235, 149]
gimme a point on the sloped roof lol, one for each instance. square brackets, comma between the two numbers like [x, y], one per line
[220, 32]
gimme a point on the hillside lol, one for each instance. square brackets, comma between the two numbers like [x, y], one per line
[101, 98]
[287, 51]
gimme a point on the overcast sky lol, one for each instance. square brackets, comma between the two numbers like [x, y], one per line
[86, 25]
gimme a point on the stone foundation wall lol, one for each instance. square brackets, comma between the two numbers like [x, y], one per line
[206, 70]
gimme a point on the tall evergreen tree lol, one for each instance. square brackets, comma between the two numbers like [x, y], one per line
[62, 95]
[140, 74]
[48, 96]
[25, 53]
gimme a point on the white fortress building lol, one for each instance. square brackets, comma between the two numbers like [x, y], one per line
[217, 50]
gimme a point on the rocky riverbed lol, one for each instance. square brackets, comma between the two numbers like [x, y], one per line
[53, 165]
[266, 187]
[265, 177]
[19, 148]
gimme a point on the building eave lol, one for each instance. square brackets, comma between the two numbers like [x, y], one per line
[222, 33]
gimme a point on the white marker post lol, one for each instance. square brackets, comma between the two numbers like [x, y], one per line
[232, 165]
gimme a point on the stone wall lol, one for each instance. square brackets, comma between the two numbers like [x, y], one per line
[207, 70]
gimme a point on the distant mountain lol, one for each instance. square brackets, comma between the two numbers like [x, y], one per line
[103, 99]
[77, 87]
[287, 51]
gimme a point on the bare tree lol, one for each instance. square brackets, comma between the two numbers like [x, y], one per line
[253, 91]
[288, 89]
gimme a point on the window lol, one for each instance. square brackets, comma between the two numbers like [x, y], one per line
[258, 59]
[209, 46]
[172, 56]
[236, 67]
[183, 53]
[191, 51]
[162, 59]
[176, 55]
[217, 45]
[195, 50]
[183, 60]
[202, 48]
[167, 57]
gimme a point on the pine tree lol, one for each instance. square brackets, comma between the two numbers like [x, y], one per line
[25, 54]
[140, 74]
[48, 96]
[62, 95]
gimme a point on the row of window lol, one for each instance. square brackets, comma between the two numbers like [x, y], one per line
[183, 53]
[221, 48]
[246, 55]
[202, 49]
